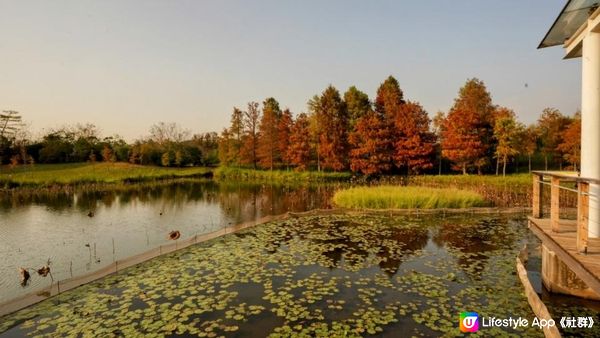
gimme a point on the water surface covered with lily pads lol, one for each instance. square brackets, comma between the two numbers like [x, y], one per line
[336, 275]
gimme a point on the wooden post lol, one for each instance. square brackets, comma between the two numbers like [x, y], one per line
[582, 216]
[536, 197]
[555, 204]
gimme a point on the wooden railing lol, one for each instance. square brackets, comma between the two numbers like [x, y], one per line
[582, 189]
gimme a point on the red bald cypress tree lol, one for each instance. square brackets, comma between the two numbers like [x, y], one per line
[371, 145]
[299, 150]
[467, 129]
[283, 135]
[413, 140]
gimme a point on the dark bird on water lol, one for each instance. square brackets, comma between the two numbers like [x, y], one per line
[90, 214]
[175, 234]
[43, 271]
[24, 276]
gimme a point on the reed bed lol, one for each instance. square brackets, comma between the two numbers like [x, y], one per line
[278, 176]
[406, 197]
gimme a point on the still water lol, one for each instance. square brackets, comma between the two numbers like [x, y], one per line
[132, 220]
[365, 275]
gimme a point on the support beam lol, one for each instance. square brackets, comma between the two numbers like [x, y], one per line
[555, 204]
[582, 217]
[590, 123]
[536, 196]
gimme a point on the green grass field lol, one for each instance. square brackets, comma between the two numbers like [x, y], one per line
[403, 197]
[86, 173]
[278, 176]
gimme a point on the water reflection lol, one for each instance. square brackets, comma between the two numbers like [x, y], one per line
[80, 231]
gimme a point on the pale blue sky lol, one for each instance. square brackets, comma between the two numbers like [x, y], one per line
[124, 65]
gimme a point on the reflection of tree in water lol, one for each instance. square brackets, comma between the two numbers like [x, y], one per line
[409, 239]
[474, 239]
[239, 201]
[171, 195]
[244, 201]
[356, 243]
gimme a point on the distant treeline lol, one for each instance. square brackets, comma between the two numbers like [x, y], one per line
[389, 135]
[394, 135]
[168, 145]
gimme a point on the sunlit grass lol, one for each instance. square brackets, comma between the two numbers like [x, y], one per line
[403, 197]
[509, 191]
[81, 173]
[278, 176]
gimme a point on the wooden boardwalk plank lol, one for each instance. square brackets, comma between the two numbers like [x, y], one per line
[564, 244]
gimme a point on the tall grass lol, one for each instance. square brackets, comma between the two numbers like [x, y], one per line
[278, 176]
[406, 197]
[509, 191]
[42, 175]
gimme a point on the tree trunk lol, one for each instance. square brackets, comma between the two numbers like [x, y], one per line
[529, 158]
[504, 166]
[464, 168]
[497, 164]
[440, 166]
[546, 162]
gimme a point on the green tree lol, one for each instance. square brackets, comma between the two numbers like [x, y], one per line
[358, 105]
[236, 132]
[389, 98]
[506, 133]
[251, 134]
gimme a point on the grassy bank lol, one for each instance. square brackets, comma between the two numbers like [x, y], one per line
[399, 197]
[278, 176]
[510, 191]
[43, 175]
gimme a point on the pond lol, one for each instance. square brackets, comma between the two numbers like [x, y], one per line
[349, 275]
[127, 221]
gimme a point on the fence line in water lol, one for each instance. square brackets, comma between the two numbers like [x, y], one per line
[60, 286]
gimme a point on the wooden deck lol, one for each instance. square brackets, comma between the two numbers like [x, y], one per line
[564, 244]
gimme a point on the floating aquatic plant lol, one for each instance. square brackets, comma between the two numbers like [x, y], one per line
[333, 276]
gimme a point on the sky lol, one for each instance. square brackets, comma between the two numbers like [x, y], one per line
[125, 65]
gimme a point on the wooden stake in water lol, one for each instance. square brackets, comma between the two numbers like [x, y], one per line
[113, 244]
[71, 268]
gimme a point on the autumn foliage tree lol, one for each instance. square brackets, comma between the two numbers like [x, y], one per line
[268, 149]
[371, 145]
[284, 128]
[551, 125]
[529, 143]
[299, 149]
[389, 97]
[467, 130]
[332, 129]
[570, 147]
[413, 141]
